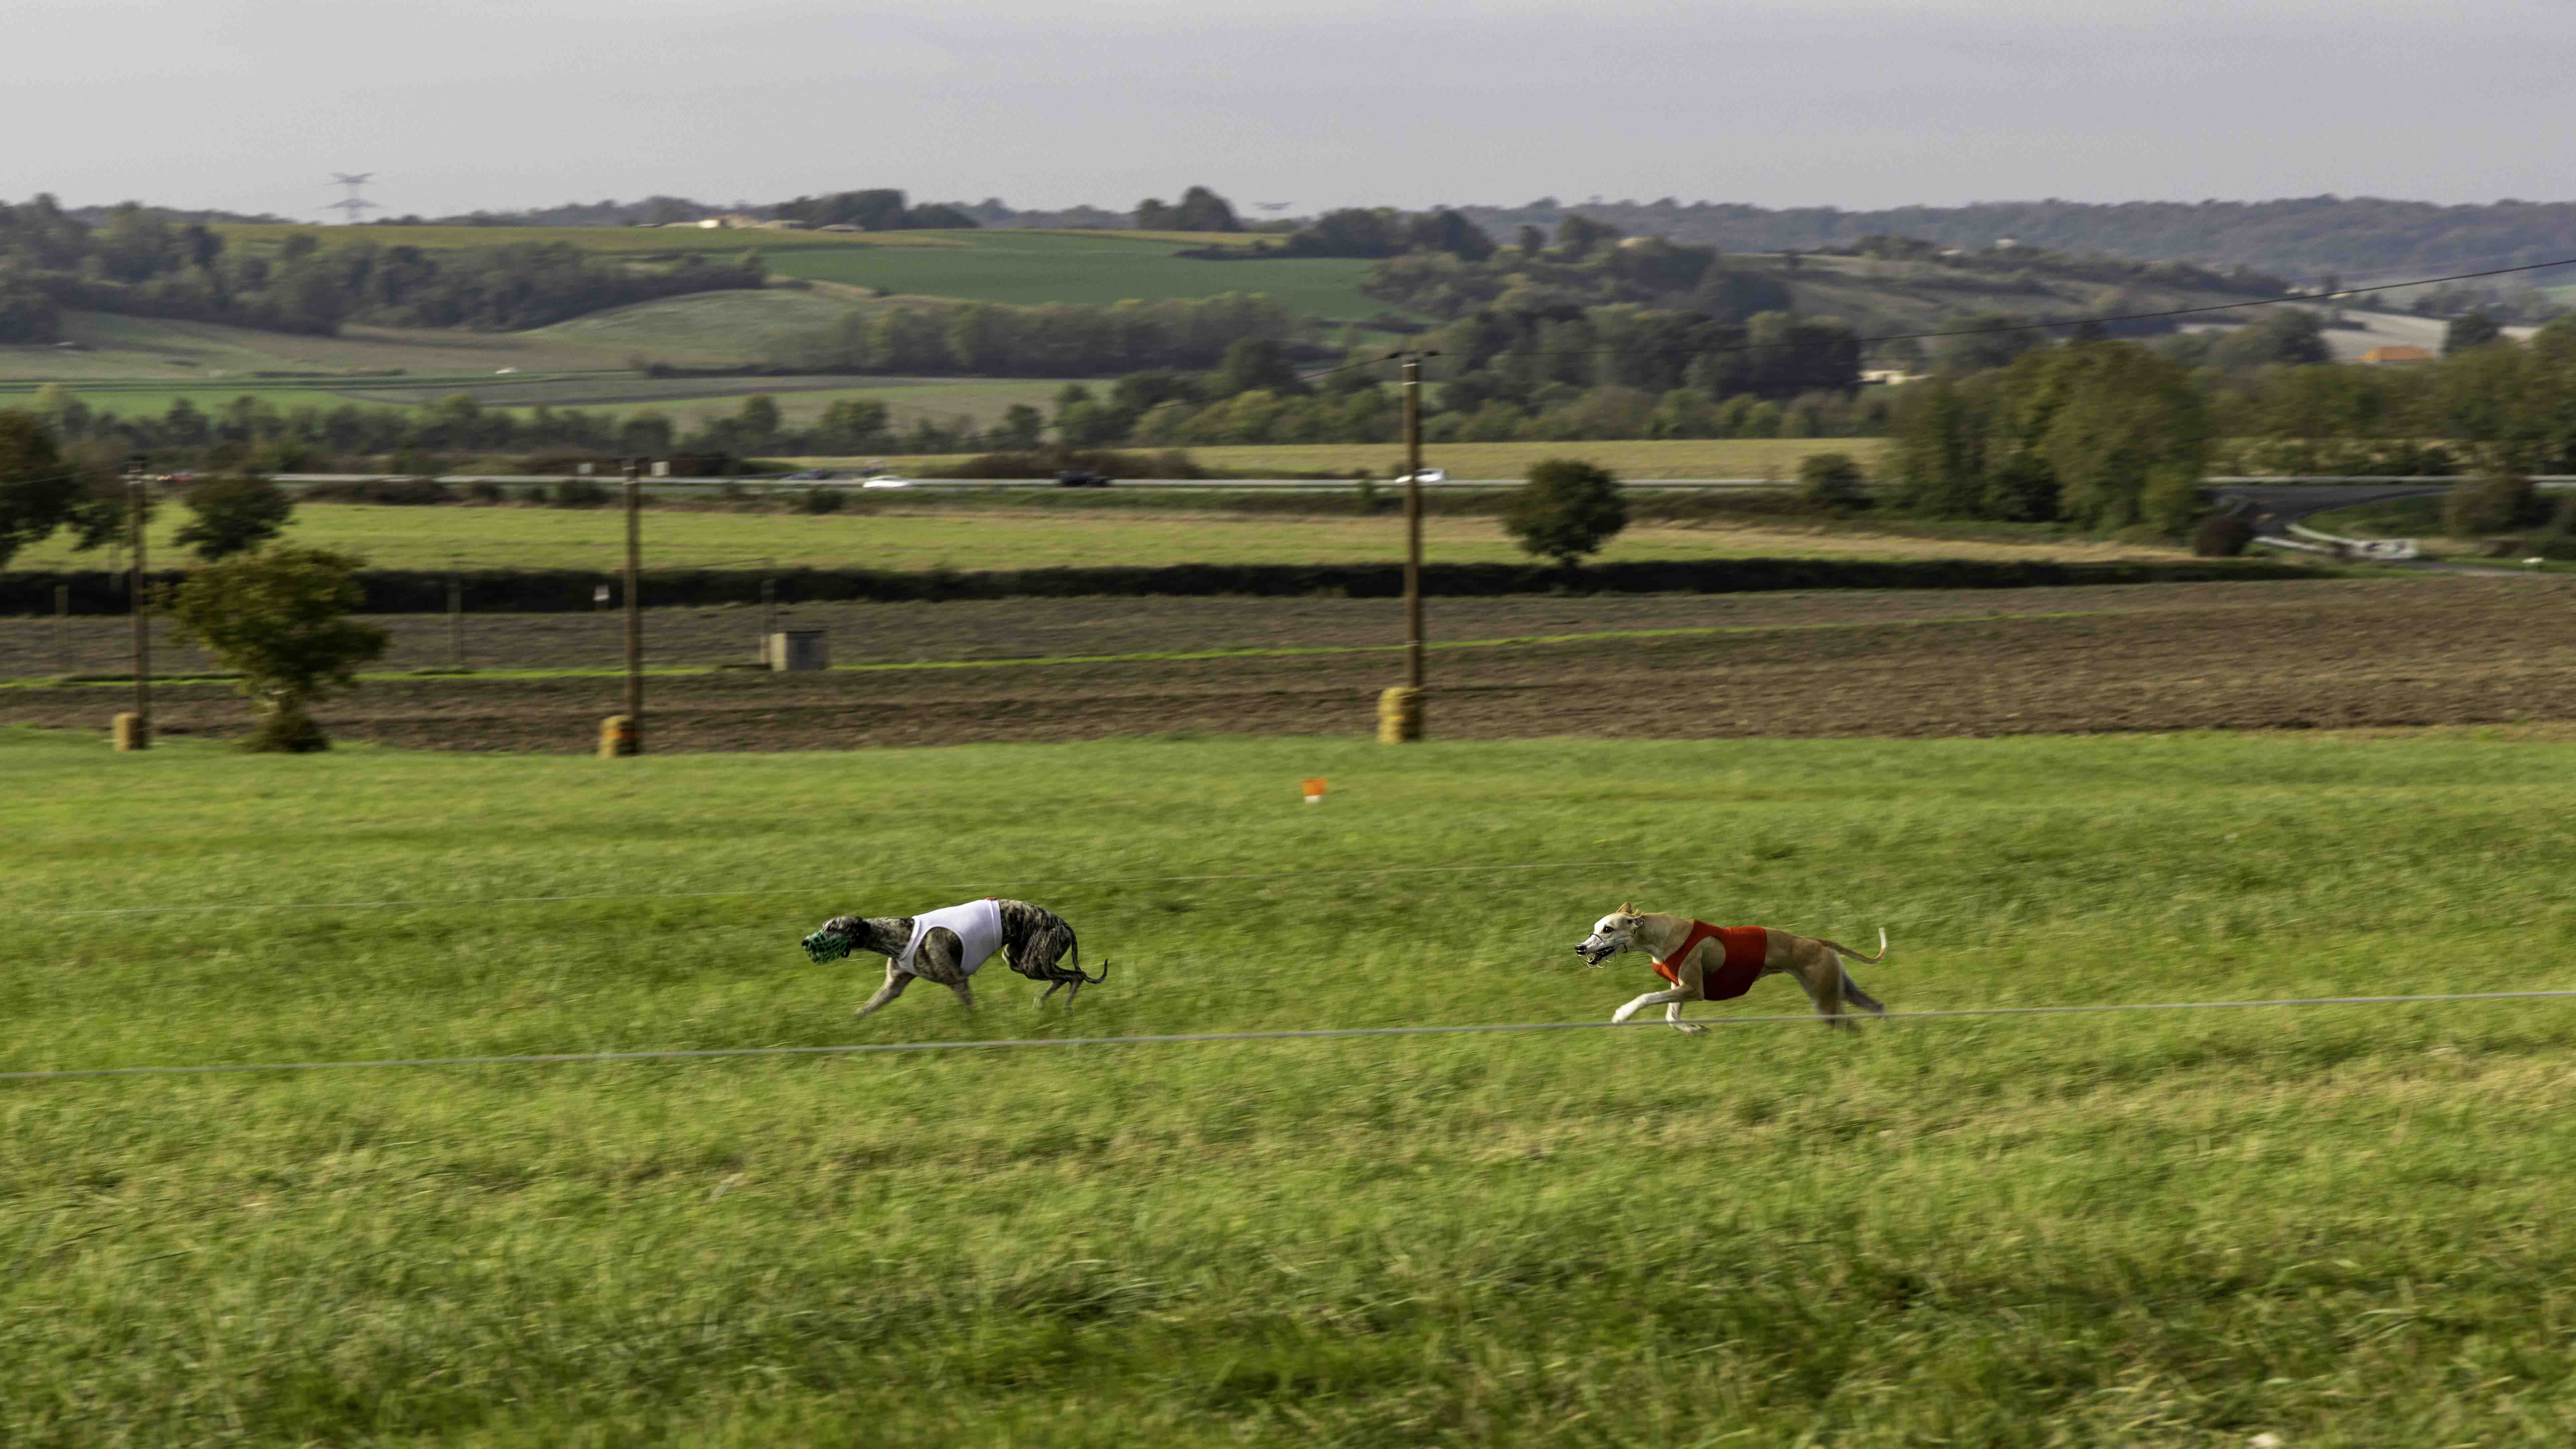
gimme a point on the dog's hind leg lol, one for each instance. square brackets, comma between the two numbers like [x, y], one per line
[1862, 999]
[895, 982]
[1823, 978]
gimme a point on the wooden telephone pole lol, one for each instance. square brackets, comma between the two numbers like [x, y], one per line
[1399, 710]
[623, 734]
[134, 731]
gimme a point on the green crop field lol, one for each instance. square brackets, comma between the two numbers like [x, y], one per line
[142, 349]
[1633, 458]
[1051, 530]
[2337, 1225]
[683, 400]
[711, 327]
[1031, 267]
[612, 240]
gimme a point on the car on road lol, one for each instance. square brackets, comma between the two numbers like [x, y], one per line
[1081, 478]
[885, 480]
[1427, 475]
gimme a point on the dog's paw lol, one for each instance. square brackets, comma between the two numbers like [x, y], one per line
[1690, 1028]
[1623, 1013]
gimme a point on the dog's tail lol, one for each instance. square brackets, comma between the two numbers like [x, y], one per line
[1077, 967]
[1855, 955]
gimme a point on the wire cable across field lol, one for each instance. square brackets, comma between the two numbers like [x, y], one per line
[834, 885]
[1192, 1038]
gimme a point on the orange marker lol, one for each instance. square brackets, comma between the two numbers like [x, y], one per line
[1315, 792]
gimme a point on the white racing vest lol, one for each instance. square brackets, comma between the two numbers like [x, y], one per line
[978, 925]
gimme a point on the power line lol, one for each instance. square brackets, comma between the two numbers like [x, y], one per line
[2008, 327]
[1192, 1038]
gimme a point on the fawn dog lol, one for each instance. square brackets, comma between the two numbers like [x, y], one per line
[1714, 963]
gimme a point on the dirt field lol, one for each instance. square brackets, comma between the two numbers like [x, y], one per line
[2328, 654]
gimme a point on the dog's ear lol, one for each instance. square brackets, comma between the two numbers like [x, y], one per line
[1627, 908]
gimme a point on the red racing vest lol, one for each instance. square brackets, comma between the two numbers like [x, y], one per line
[1746, 948]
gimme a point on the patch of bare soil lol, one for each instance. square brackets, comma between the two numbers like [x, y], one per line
[2324, 654]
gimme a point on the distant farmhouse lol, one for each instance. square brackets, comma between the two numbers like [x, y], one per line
[2397, 352]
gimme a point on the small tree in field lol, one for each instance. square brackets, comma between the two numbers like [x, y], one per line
[276, 616]
[1567, 509]
[1832, 480]
[38, 493]
[235, 514]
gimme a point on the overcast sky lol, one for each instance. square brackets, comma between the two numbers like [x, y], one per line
[250, 105]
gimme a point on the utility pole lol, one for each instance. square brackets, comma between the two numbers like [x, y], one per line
[455, 611]
[134, 731]
[1399, 710]
[768, 609]
[635, 602]
[623, 734]
[1412, 521]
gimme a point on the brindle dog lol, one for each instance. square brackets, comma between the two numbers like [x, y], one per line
[1033, 938]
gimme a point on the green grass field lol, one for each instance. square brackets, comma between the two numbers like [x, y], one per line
[704, 327]
[1030, 267]
[2337, 1225]
[1040, 530]
[144, 351]
[1632, 458]
[683, 400]
[1775, 458]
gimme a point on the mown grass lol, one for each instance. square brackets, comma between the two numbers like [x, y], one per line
[2339, 1225]
[1046, 530]
[1026, 268]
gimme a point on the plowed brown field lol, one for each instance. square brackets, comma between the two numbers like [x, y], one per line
[2331, 653]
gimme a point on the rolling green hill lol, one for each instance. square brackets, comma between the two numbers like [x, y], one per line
[1098, 268]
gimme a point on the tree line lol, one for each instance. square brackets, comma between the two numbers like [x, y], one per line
[140, 264]
[2300, 236]
[875, 209]
[1050, 340]
[2108, 434]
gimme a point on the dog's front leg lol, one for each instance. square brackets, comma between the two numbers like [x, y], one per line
[1651, 998]
[1673, 1015]
[895, 982]
[941, 966]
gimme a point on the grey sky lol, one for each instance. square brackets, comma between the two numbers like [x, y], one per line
[250, 104]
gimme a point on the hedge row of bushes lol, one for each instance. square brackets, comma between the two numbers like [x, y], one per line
[551, 591]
